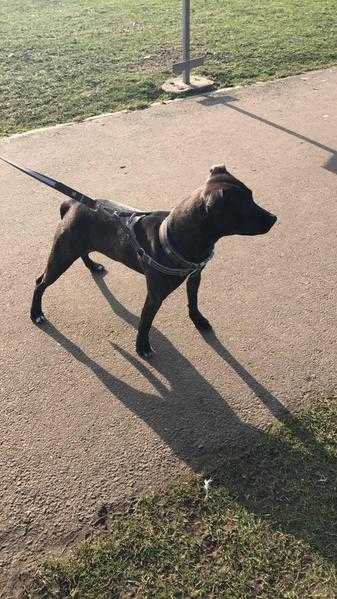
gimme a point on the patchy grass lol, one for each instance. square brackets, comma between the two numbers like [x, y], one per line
[70, 59]
[267, 530]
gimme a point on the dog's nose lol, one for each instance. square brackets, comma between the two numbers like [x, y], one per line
[270, 221]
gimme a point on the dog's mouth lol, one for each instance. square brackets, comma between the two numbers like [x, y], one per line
[261, 228]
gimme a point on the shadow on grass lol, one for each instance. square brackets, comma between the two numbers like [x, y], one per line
[290, 481]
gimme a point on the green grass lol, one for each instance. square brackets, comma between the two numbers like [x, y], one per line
[267, 530]
[69, 59]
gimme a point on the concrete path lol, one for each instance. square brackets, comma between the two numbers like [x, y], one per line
[84, 421]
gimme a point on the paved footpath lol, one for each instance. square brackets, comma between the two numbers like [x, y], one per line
[84, 421]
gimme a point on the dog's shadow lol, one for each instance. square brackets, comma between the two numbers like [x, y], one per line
[201, 428]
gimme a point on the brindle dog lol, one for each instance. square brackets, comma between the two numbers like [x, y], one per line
[223, 206]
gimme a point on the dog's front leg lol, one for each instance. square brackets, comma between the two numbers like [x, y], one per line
[150, 309]
[197, 318]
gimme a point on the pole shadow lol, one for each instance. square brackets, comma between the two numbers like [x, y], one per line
[227, 100]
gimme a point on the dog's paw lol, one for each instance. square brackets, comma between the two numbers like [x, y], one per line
[144, 350]
[97, 269]
[38, 318]
[201, 323]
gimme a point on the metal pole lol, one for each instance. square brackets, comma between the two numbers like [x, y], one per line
[186, 40]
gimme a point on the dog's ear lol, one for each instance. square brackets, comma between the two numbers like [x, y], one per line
[214, 202]
[218, 169]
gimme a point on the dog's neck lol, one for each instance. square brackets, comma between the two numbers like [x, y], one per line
[189, 232]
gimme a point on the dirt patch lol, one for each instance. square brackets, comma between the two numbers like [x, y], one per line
[159, 61]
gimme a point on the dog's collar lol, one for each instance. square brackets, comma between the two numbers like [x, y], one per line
[173, 254]
[186, 268]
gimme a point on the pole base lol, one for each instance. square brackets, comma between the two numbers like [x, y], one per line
[177, 87]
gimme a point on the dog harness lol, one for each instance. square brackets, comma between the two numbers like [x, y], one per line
[185, 267]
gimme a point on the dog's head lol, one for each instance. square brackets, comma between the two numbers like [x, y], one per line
[230, 206]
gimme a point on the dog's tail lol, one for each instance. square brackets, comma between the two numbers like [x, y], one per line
[65, 207]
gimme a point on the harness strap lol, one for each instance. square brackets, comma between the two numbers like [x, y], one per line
[149, 261]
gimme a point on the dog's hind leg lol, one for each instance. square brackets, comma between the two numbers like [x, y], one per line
[59, 261]
[197, 318]
[94, 267]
